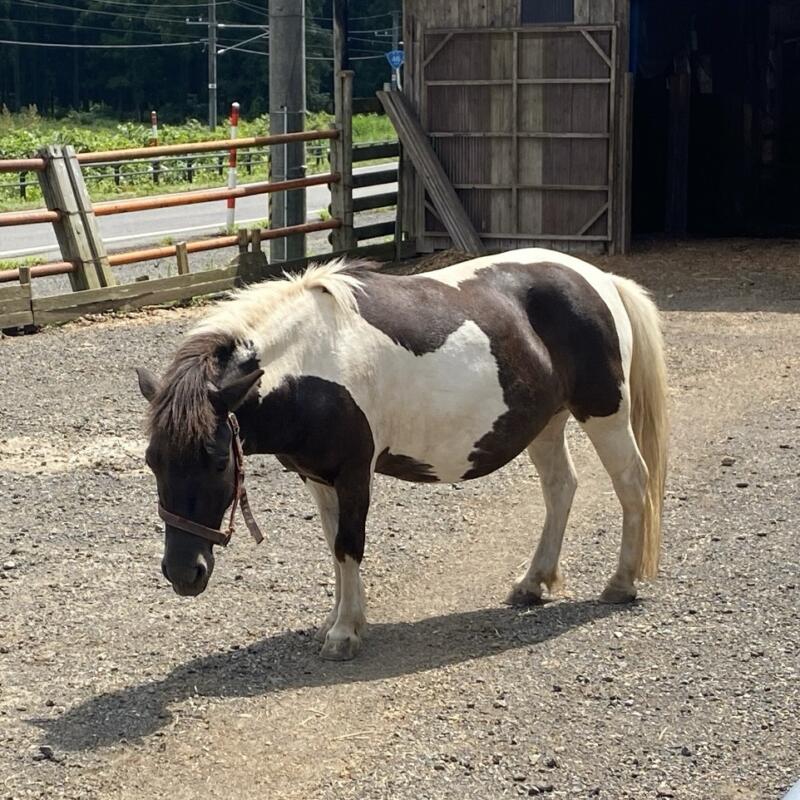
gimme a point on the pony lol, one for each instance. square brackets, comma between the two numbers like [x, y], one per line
[342, 372]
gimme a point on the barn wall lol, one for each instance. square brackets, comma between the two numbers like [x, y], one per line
[495, 176]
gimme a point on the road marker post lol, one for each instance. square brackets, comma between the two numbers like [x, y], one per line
[232, 155]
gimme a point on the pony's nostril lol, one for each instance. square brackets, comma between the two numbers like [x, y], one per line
[202, 570]
[164, 570]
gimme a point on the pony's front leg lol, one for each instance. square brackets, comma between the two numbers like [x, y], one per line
[328, 506]
[343, 641]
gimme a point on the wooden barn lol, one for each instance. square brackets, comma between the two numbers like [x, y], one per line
[575, 123]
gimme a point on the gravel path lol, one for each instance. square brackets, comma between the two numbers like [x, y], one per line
[113, 687]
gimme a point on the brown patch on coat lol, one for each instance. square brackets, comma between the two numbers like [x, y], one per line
[552, 336]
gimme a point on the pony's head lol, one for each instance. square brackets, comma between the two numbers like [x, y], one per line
[191, 450]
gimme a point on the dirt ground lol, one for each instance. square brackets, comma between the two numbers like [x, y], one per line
[111, 686]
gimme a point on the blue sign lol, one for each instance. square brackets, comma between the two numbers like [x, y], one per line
[395, 58]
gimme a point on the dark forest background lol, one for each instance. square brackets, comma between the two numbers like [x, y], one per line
[128, 83]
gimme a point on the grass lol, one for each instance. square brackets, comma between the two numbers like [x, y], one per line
[21, 135]
[16, 263]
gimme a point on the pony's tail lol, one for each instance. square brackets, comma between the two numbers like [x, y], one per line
[648, 389]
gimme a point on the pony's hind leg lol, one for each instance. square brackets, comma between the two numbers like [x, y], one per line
[550, 456]
[328, 506]
[614, 441]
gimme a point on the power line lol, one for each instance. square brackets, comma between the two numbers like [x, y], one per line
[115, 14]
[159, 5]
[102, 46]
[78, 26]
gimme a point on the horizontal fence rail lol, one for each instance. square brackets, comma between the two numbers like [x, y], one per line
[9, 218]
[184, 168]
[203, 147]
[209, 195]
[153, 253]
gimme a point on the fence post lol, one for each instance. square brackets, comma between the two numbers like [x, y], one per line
[343, 237]
[77, 232]
[231, 218]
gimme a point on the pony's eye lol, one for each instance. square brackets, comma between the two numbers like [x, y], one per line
[221, 464]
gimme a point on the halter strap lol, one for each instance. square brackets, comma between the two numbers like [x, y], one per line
[215, 535]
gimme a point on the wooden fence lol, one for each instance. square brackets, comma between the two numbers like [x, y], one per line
[90, 268]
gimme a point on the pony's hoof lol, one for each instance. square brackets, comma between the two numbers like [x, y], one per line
[520, 596]
[340, 649]
[617, 594]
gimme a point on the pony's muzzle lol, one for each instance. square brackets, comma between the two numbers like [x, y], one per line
[190, 577]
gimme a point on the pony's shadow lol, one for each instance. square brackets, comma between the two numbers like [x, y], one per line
[290, 660]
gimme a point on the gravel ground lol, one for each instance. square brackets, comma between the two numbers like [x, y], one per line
[113, 687]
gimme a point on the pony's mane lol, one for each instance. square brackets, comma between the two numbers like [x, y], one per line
[181, 409]
[248, 309]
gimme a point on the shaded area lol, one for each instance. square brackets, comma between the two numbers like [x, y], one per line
[290, 661]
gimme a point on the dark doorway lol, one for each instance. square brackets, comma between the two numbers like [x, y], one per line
[716, 128]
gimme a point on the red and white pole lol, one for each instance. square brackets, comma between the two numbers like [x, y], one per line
[153, 128]
[234, 120]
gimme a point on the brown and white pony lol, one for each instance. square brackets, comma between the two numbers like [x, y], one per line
[343, 372]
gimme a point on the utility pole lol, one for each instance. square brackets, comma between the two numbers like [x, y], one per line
[287, 108]
[212, 64]
[395, 46]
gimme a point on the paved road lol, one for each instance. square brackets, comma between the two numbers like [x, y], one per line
[148, 227]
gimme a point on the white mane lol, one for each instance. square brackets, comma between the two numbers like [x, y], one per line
[273, 303]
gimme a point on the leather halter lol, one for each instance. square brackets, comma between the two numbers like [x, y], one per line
[239, 499]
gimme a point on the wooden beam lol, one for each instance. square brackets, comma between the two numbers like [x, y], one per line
[596, 47]
[419, 150]
[593, 219]
[507, 135]
[372, 201]
[370, 152]
[375, 178]
[436, 50]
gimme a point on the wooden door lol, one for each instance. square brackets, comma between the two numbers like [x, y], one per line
[522, 120]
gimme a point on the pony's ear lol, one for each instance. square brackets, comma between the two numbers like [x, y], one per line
[148, 383]
[233, 393]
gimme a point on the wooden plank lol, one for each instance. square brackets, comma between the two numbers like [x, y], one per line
[370, 152]
[436, 182]
[515, 129]
[99, 265]
[527, 237]
[182, 256]
[596, 47]
[596, 216]
[342, 153]
[56, 187]
[374, 230]
[555, 187]
[520, 134]
[15, 302]
[435, 50]
[62, 308]
[626, 150]
[376, 178]
[372, 201]
[544, 29]
[521, 81]
[612, 139]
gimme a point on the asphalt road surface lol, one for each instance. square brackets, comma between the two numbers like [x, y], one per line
[147, 227]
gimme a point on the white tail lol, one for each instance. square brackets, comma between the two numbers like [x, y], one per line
[648, 388]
